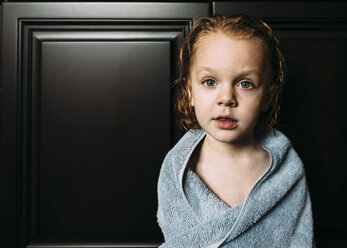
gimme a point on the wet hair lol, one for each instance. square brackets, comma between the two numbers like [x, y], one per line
[240, 26]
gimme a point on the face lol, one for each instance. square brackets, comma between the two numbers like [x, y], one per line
[229, 80]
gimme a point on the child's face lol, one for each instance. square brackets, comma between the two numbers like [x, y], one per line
[229, 86]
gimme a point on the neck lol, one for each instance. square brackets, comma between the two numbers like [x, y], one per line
[234, 152]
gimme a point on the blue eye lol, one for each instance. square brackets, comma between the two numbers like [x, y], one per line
[245, 85]
[210, 82]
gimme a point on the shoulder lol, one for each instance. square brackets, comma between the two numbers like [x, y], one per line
[178, 156]
[185, 145]
[169, 183]
[274, 139]
[282, 152]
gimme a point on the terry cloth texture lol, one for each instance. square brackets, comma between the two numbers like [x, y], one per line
[276, 212]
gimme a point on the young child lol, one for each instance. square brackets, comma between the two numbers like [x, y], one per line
[232, 180]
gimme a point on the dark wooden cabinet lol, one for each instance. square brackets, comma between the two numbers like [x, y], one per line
[86, 114]
[86, 119]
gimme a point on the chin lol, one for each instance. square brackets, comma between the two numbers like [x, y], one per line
[224, 136]
[230, 136]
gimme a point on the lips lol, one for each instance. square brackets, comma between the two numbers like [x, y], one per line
[224, 118]
[225, 122]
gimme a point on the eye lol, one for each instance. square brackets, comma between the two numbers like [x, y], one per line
[209, 82]
[245, 85]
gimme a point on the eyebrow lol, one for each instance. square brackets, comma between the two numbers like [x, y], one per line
[205, 69]
[209, 69]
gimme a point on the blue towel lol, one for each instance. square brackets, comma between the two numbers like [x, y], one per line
[276, 213]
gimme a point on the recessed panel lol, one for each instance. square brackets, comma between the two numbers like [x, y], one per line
[104, 129]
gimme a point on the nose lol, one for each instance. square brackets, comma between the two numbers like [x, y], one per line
[227, 96]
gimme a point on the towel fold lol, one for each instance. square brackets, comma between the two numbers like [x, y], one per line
[276, 213]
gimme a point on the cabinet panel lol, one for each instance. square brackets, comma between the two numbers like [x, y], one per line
[87, 119]
[96, 112]
[313, 38]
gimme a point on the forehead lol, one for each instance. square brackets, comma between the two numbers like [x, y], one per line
[222, 50]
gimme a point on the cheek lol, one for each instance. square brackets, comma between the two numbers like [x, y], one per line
[251, 108]
[200, 108]
[194, 96]
[201, 116]
[253, 100]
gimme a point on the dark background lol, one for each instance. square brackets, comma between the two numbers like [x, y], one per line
[86, 114]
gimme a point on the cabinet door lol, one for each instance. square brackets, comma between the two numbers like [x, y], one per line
[313, 37]
[86, 120]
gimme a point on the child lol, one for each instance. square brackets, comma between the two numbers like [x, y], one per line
[232, 180]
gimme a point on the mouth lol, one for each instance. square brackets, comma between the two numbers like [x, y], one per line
[225, 122]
